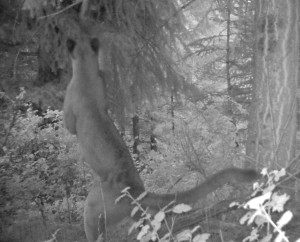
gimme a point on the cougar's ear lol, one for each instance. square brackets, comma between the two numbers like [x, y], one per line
[70, 46]
[95, 44]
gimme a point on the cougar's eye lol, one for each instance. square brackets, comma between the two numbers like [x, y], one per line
[94, 44]
[70, 45]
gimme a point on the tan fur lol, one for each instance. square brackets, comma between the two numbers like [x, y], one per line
[103, 148]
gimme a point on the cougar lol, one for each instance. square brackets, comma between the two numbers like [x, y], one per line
[104, 150]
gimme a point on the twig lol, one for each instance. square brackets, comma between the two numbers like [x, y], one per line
[15, 65]
[60, 11]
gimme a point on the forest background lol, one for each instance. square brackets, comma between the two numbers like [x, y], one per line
[186, 88]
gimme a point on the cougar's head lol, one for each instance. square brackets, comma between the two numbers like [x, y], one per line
[83, 47]
[87, 79]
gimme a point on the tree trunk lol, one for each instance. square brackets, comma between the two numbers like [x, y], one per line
[172, 113]
[136, 135]
[272, 124]
[45, 73]
[229, 87]
[153, 142]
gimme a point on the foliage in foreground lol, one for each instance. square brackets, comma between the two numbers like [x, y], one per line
[261, 207]
[150, 226]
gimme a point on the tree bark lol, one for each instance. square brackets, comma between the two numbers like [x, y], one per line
[136, 135]
[45, 72]
[229, 87]
[272, 124]
[172, 113]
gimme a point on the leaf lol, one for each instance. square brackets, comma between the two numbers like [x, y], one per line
[285, 219]
[134, 226]
[148, 237]
[141, 196]
[125, 189]
[143, 232]
[181, 208]
[251, 216]
[279, 174]
[154, 237]
[166, 237]
[277, 202]
[195, 229]
[184, 235]
[156, 225]
[201, 237]
[256, 202]
[253, 236]
[270, 188]
[267, 238]
[134, 211]
[255, 185]
[260, 220]
[254, 215]
[159, 216]
[119, 198]
[234, 204]
[246, 217]
[264, 171]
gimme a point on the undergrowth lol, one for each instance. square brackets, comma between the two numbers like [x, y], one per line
[264, 202]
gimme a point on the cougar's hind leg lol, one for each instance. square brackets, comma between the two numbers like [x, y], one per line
[94, 221]
[101, 211]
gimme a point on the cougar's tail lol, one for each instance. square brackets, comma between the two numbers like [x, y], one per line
[230, 175]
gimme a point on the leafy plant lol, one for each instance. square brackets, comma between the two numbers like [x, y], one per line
[260, 209]
[40, 170]
[149, 225]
